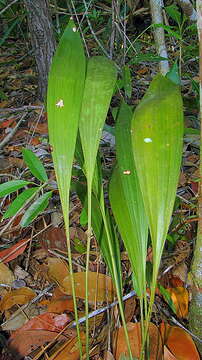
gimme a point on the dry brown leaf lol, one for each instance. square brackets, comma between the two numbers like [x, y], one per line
[134, 333]
[16, 296]
[100, 286]
[57, 269]
[6, 276]
[32, 339]
[130, 305]
[70, 347]
[168, 355]
[20, 317]
[179, 343]
[180, 298]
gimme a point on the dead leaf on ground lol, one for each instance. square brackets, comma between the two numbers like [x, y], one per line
[70, 347]
[57, 269]
[134, 333]
[32, 339]
[100, 286]
[180, 298]
[19, 318]
[46, 321]
[6, 276]
[130, 305]
[14, 251]
[178, 342]
[16, 296]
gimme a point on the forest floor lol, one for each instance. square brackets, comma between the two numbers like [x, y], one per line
[35, 311]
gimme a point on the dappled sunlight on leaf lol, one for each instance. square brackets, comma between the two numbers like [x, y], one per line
[180, 298]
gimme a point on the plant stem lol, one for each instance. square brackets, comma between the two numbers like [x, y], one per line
[72, 281]
[116, 279]
[87, 263]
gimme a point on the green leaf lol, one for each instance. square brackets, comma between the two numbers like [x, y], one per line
[35, 209]
[174, 13]
[169, 30]
[127, 81]
[11, 186]
[146, 57]
[126, 200]
[157, 137]
[35, 165]
[167, 297]
[99, 84]
[19, 202]
[65, 93]
[173, 74]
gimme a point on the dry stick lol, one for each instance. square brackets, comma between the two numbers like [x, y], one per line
[93, 33]
[7, 7]
[12, 133]
[22, 108]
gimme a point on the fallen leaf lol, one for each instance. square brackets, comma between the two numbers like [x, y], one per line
[32, 339]
[16, 296]
[100, 286]
[168, 355]
[19, 317]
[180, 298]
[178, 342]
[63, 303]
[46, 321]
[57, 269]
[134, 333]
[70, 347]
[130, 305]
[6, 275]
[13, 251]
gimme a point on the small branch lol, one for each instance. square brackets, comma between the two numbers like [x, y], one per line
[7, 7]
[12, 133]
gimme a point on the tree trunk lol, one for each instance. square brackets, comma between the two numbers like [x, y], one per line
[42, 39]
[156, 13]
[195, 311]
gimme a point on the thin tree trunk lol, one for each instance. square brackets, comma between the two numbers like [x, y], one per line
[195, 312]
[157, 18]
[42, 39]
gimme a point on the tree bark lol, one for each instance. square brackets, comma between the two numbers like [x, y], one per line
[157, 18]
[188, 9]
[42, 39]
[195, 311]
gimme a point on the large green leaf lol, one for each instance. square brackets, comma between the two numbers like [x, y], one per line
[65, 92]
[157, 136]
[99, 85]
[126, 200]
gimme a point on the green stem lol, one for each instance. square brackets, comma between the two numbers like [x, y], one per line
[72, 283]
[116, 279]
[87, 264]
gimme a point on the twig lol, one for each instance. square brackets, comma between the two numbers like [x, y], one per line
[22, 108]
[93, 33]
[7, 7]
[12, 133]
